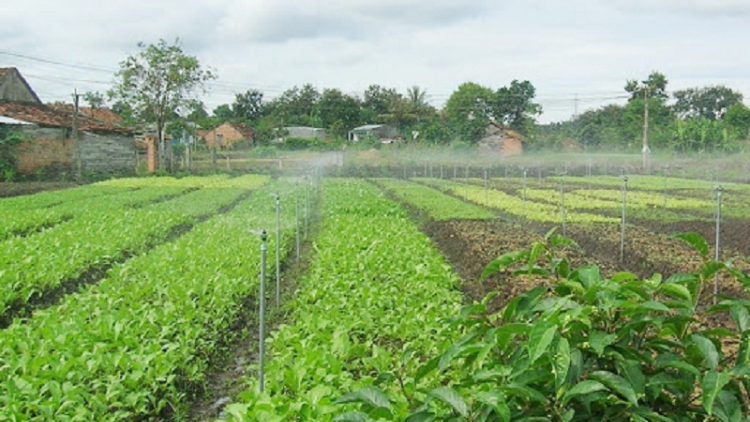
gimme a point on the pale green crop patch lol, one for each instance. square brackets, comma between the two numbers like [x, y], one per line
[375, 298]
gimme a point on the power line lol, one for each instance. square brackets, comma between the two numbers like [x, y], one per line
[57, 63]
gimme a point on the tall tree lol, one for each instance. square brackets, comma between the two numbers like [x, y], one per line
[249, 105]
[737, 119]
[297, 106]
[469, 109]
[653, 87]
[94, 99]
[378, 103]
[158, 81]
[514, 106]
[223, 112]
[710, 102]
[338, 112]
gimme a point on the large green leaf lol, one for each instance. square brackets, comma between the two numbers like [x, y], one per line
[450, 397]
[540, 338]
[712, 384]
[583, 388]
[676, 290]
[422, 416]
[351, 417]
[371, 396]
[693, 239]
[496, 400]
[741, 317]
[561, 364]
[503, 261]
[618, 384]
[707, 349]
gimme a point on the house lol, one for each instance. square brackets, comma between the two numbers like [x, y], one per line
[498, 140]
[384, 133]
[102, 114]
[48, 144]
[228, 134]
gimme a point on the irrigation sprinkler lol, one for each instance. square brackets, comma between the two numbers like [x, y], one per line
[307, 206]
[296, 219]
[719, 190]
[523, 198]
[262, 311]
[466, 181]
[562, 202]
[622, 226]
[278, 251]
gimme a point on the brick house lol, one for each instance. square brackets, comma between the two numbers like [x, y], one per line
[228, 134]
[499, 140]
[49, 145]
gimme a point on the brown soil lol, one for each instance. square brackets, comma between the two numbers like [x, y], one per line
[25, 188]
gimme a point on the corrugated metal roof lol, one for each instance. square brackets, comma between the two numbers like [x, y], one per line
[366, 127]
[4, 120]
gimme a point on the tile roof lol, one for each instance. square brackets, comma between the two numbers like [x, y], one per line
[46, 116]
[247, 132]
[103, 114]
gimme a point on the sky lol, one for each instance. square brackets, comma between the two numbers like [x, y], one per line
[577, 53]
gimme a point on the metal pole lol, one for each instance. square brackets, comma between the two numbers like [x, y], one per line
[718, 238]
[624, 206]
[296, 218]
[262, 311]
[562, 202]
[278, 251]
[523, 198]
[307, 206]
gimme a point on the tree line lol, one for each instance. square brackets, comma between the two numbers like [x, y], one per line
[160, 85]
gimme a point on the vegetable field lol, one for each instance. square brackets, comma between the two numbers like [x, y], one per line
[421, 299]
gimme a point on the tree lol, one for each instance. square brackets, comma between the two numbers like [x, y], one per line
[157, 82]
[710, 102]
[338, 112]
[297, 106]
[653, 87]
[513, 106]
[378, 102]
[94, 99]
[469, 109]
[223, 113]
[417, 100]
[249, 105]
[737, 119]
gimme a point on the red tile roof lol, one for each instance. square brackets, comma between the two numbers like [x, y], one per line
[48, 116]
[247, 132]
[103, 114]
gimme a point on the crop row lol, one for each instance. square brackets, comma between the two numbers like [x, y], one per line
[132, 346]
[375, 298]
[515, 206]
[436, 204]
[35, 265]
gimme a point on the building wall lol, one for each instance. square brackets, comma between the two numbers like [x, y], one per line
[223, 136]
[49, 150]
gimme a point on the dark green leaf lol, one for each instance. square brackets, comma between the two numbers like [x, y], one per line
[561, 363]
[676, 290]
[540, 338]
[741, 317]
[598, 340]
[496, 401]
[707, 349]
[371, 396]
[616, 383]
[450, 397]
[583, 388]
[423, 416]
[351, 417]
[693, 239]
[710, 268]
[712, 384]
[503, 261]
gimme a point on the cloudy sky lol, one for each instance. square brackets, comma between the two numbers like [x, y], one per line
[584, 49]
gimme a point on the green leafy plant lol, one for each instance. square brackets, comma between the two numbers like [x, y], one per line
[589, 348]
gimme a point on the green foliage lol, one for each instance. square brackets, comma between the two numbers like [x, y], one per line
[8, 140]
[653, 87]
[468, 111]
[249, 106]
[513, 106]
[589, 348]
[158, 82]
[737, 118]
[710, 102]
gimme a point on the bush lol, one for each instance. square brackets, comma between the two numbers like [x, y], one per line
[585, 348]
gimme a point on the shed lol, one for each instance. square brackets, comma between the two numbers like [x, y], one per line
[305, 132]
[383, 132]
[499, 140]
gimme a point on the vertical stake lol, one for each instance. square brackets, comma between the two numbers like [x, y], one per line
[278, 251]
[718, 238]
[296, 218]
[307, 206]
[624, 207]
[486, 191]
[562, 202]
[262, 311]
[523, 198]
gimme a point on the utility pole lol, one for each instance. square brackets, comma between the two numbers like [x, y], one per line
[646, 150]
[76, 140]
